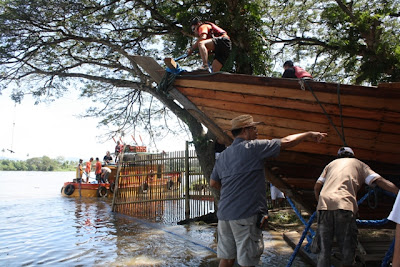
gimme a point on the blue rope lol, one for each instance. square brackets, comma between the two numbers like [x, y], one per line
[310, 221]
[299, 214]
[364, 197]
[177, 70]
[372, 222]
[388, 254]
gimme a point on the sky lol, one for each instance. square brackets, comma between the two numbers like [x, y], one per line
[56, 130]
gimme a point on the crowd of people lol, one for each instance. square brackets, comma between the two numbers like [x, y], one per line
[101, 171]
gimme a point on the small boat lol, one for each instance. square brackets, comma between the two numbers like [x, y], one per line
[76, 189]
[140, 170]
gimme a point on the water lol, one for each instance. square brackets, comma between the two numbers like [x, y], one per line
[40, 227]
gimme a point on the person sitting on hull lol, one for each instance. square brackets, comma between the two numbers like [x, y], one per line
[292, 71]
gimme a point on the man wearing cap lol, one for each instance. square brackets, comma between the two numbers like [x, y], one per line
[239, 175]
[336, 192]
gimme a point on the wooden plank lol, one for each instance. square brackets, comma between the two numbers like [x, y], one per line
[278, 127]
[301, 182]
[389, 91]
[170, 62]
[200, 116]
[309, 106]
[292, 239]
[149, 65]
[324, 97]
[295, 125]
[261, 110]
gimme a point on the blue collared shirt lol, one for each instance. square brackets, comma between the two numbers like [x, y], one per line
[240, 170]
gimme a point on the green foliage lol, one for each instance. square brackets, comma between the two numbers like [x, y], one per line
[283, 217]
[343, 41]
[38, 164]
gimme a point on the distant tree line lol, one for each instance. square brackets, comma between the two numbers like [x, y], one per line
[38, 164]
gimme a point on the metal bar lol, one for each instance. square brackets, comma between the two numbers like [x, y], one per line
[187, 201]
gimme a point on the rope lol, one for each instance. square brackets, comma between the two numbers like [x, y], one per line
[364, 197]
[341, 119]
[388, 255]
[375, 198]
[326, 113]
[298, 246]
[167, 81]
[299, 214]
[372, 222]
[359, 222]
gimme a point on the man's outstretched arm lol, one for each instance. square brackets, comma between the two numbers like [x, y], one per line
[295, 139]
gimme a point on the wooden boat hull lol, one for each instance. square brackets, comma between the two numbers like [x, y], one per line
[366, 118]
[86, 190]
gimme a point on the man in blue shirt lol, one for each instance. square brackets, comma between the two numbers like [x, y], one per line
[239, 175]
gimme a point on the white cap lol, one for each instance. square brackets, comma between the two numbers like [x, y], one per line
[345, 149]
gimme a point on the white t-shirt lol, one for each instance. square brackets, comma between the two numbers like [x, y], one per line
[342, 179]
[395, 214]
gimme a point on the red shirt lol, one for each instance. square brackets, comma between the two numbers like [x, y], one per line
[98, 167]
[88, 167]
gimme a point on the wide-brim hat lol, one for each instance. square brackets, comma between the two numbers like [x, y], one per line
[345, 150]
[243, 121]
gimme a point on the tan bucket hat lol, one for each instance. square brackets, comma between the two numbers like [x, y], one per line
[243, 121]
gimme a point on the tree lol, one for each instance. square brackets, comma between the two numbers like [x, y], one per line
[48, 46]
[352, 41]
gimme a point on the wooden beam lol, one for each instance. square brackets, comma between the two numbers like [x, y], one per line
[294, 104]
[149, 65]
[363, 101]
[170, 62]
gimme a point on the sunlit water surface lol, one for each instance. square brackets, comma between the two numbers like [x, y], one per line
[40, 227]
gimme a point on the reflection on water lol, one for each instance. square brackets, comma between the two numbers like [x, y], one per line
[39, 227]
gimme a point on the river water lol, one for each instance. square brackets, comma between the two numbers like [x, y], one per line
[40, 227]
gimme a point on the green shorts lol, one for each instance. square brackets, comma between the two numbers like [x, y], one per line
[241, 240]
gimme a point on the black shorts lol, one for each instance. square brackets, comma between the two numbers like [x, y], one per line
[223, 47]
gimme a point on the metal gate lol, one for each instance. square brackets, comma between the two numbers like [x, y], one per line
[164, 187]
